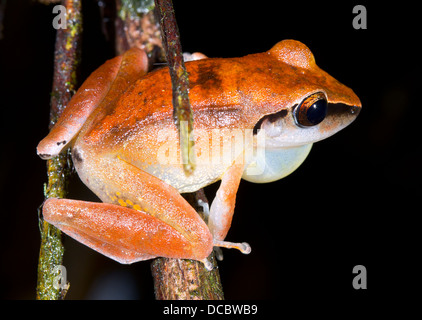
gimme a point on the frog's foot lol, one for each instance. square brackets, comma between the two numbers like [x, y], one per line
[243, 247]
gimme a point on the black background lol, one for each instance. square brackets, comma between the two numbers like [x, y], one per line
[354, 201]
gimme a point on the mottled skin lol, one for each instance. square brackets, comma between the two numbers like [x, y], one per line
[120, 127]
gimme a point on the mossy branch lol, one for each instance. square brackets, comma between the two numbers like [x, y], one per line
[66, 61]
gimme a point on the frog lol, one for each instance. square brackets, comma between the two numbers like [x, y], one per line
[125, 146]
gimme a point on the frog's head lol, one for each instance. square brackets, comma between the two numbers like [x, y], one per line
[313, 106]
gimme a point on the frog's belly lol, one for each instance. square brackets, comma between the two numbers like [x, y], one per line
[176, 177]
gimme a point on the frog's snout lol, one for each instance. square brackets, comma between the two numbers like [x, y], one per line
[342, 114]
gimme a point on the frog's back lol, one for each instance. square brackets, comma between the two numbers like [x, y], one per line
[223, 93]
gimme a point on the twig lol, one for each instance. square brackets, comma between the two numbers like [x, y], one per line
[67, 54]
[137, 26]
[182, 112]
[176, 279]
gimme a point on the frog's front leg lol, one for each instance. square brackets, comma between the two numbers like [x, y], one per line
[222, 208]
[102, 86]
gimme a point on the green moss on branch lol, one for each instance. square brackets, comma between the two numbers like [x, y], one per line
[66, 61]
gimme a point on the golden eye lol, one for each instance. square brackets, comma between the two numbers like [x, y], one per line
[311, 111]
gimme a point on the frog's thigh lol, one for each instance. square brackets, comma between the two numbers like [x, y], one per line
[120, 233]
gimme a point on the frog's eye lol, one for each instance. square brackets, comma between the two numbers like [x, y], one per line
[311, 111]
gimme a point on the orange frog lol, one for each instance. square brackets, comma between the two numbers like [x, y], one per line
[125, 146]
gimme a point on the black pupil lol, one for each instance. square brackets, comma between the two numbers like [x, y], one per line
[317, 112]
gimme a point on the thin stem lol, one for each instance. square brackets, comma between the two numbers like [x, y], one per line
[182, 111]
[66, 61]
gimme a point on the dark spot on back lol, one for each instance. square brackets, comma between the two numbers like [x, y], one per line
[207, 76]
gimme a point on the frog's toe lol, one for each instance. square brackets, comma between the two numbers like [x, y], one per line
[243, 247]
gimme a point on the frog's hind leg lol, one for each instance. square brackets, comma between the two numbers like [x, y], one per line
[148, 217]
[104, 83]
[110, 229]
